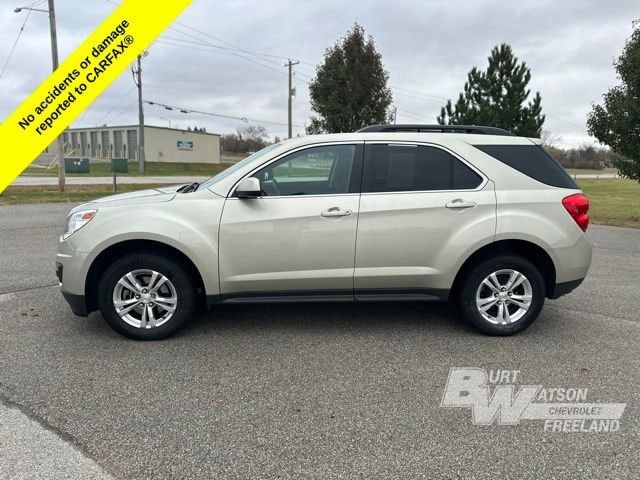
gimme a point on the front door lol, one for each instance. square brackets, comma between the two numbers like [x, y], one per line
[298, 238]
[421, 209]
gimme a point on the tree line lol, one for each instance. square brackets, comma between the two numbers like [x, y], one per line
[247, 139]
[351, 90]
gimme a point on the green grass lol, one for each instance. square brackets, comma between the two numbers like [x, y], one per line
[613, 201]
[73, 193]
[151, 169]
[582, 171]
[233, 157]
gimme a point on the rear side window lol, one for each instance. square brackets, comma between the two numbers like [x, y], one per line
[533, 161]
[405, 168]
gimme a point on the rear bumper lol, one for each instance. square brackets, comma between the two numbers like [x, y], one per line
[77, 303]
[565, 287]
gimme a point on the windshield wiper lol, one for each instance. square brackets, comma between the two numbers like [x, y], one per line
[190, 187]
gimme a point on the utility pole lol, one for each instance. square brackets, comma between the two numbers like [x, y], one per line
[54, 61]
[290, 64]
[137, 78]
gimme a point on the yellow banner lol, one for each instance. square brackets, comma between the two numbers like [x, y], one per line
[79, 80]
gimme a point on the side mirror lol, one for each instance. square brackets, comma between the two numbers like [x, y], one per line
[249, 188]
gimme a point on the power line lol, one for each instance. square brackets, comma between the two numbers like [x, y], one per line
[228, 53]
[232, 117]
[221, 41]
[416, 116]
[194, 90]
[98, 123]
[204, 43]
[231, 48]
[422, 94]
[568, 124]
[15, 43]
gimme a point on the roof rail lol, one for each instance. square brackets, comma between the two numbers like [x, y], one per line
[475, 129]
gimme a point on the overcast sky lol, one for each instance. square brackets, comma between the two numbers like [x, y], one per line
[427, 46]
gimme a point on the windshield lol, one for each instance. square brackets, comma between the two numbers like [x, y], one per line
[225, 173]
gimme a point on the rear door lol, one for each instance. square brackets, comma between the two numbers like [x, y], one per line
[421, 209]
[298, 238]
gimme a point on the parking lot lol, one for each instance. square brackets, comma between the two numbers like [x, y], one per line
[310, 390]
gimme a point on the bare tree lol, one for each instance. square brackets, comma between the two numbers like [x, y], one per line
[550, 139]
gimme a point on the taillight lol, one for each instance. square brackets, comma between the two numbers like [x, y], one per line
[578, 207]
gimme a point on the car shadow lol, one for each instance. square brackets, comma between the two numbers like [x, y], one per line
[434, 316]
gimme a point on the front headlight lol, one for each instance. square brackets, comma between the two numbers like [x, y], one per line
[77, 220]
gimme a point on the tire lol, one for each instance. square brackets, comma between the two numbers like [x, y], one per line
[495, 321]
[157, 312]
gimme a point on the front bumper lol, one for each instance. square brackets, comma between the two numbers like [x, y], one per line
[71, 268]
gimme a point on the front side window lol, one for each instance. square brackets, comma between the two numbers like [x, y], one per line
[238, 166]
[321, 170]
[406, 168]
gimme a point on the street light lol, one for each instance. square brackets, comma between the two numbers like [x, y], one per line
[162, 118]
[19, 9]
[54, 61]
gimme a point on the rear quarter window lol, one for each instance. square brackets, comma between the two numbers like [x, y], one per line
[533, 161]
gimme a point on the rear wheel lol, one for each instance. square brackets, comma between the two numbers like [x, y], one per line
[146, 296]
[502, 295]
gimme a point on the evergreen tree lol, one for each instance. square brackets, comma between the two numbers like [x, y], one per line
[616, 123]
[350, 88]
[496, 97]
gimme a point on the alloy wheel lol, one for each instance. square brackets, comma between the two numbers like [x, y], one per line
[145, 298]
[504, 297]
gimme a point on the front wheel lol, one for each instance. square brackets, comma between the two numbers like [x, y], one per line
[146, 296]
[502, 295]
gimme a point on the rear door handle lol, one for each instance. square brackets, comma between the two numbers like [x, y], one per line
[335, 212]
[459, 204]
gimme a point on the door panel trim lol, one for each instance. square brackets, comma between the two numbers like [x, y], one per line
[346, 295]
[407, 294]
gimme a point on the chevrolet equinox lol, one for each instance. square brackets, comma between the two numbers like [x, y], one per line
[389, 213]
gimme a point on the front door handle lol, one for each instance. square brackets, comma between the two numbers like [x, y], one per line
[335, 212]
[459, 204]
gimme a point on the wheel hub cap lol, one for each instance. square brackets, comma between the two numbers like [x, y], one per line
[145, 298]
[504, 297]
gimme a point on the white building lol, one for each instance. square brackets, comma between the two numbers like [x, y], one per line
[161, 144]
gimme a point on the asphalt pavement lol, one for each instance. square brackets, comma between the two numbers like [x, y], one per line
[302, 391]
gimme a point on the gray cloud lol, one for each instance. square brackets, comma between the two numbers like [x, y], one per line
[427, 46]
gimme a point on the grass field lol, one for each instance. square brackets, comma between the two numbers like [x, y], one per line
[578, 171]
[612, 201]
[152, 169]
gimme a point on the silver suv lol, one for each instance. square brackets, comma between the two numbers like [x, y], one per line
[392, 212]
